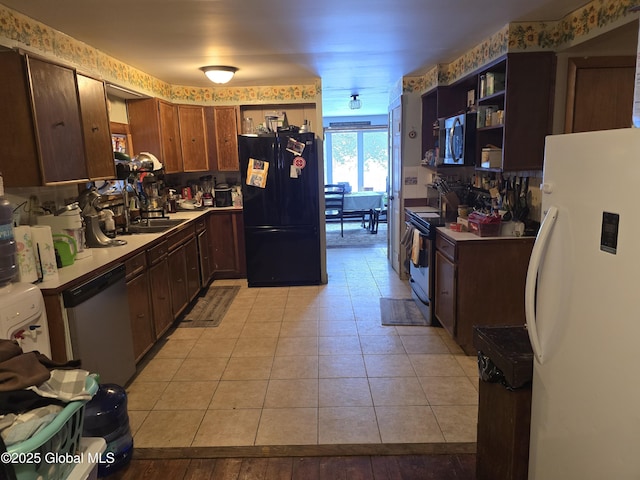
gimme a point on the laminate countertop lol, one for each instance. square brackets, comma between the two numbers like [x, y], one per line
[468, 236]
[102, 259]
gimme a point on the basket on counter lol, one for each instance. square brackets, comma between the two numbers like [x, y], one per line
[59, 440]
[484, 225]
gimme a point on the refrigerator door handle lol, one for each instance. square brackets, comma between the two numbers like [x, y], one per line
[532, 280]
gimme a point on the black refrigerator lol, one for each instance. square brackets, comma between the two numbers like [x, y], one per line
[281, 208]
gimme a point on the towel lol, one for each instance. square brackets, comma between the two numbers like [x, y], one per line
[65, 385]
[26, 425]
[416, 246]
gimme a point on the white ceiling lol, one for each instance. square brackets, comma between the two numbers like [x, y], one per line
[353, 46]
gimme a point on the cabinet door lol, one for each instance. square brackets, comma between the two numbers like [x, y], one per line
[205, 263]
[226, 138]
[599, 93]
[446, 293]
[95, 125]
[170, 137]
[178, 274]
[226, 246]
[161, 297]
[193, 268]
[193, 138]
[140, 314]
[57, 119]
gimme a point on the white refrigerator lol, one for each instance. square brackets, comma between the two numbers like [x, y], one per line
[583, 310]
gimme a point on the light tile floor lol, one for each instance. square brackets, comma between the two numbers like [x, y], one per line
[308, 366]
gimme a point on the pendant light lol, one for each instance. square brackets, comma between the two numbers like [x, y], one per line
[219, 73]
[355, 103]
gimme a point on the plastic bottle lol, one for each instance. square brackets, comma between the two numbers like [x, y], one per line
[8, 268]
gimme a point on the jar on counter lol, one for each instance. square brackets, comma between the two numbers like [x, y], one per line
[247, 125]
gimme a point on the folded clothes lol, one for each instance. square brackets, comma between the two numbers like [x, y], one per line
[20, 401]
[19, 370]
[26, 425]
[65, 385]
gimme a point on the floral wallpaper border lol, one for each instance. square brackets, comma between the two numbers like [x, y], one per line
[17, 30]
[578, 26]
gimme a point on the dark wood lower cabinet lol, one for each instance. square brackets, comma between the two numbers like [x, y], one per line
[193, 267]
[206, 272]
[178, 274]
[479, 282]
[140, 315]
[160, 293]
[226, 244]
[445, 307]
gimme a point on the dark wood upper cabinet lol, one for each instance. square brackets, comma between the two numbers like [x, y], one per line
[599, 93]
[527, 102]
[41, 140]
[95, 125]
[222, 123]
[193, 138]
[155, 128]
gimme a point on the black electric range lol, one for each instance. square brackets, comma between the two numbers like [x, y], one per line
[421, 261]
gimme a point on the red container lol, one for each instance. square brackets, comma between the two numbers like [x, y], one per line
[484, 225]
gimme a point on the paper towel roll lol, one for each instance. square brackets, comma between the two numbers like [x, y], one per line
[44, 251]
[25, 253]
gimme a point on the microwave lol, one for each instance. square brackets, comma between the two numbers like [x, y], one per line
[458, 139]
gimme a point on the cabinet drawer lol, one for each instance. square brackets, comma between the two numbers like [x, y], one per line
[201, 224]
[178, 238]
[157, 252]
[134, 265]
[446, 247]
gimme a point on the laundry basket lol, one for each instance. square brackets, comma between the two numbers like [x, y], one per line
[51, 454]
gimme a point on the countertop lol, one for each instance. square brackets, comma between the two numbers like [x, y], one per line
[468, 236]
[102, 257]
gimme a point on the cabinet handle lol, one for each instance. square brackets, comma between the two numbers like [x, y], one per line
[95, 128]
[162, 298]
[59, 124]
[178, 280]
[141, 315]
[444, 292]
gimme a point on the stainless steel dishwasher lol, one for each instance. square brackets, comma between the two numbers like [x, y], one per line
[100, 328]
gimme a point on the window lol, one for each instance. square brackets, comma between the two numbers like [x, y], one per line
[360, 157]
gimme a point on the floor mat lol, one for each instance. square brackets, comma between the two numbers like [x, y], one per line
[400, 312]
[210, 309]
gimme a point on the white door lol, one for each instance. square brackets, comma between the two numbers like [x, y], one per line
[394, 203]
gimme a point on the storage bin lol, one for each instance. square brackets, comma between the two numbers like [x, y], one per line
[484, 225]
[491, 158]
[49, 454]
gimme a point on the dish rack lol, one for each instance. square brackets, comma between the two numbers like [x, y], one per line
[58, 441]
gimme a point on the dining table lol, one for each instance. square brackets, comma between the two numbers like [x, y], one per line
[363, 201]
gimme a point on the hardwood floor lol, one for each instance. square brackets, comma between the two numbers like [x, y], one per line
[363, 467]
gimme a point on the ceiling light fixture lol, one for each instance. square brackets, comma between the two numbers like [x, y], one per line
[219, 73]
[355, 103]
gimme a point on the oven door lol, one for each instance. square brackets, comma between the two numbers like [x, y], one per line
[421, 277]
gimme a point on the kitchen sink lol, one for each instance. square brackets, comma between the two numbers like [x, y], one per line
[154, 225]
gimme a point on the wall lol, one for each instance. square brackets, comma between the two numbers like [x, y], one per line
[582, 25]
[20, 31]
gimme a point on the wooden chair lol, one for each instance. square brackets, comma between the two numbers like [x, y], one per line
[334, 204]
